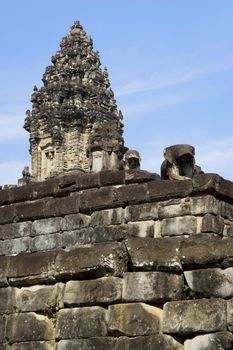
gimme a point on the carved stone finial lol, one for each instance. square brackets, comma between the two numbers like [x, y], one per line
[179, 163]
[26, 172]
[27, 178]
[132, 159]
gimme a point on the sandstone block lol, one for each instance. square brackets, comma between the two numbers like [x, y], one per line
[4, 196]
[34, 345]
[203, 251]
[147, 211]
[152, 287]
[131, 194]
[111, 177]
[74, 222]
[2, 329]
[4, 266]
[76, 238]
[216, 341]
[107, 217]
[178, 226]
[7, 214]
[230, 315]
[154, 254]
[205, 182]
[134, 319]
[204, 204]
[79, 181]
[194, 316]
[6, 301]
[15, 230]
[45, 242]
[46, 226]
[56, 207]
[163, 189]
[213, 282]
[112, 233]
[212, 223]
[138, 176]
[96, 199]
[30, 210]
[100, 343]
[170, 210]
[81, 323]
[227, 210]
[141, 228]
[30, 268]
[15, 246]
[151, 342]
[157, 229]
[38, 298]
[89, 262]
[224, 188]
[19, 327]
[105, 290]
[229, 231]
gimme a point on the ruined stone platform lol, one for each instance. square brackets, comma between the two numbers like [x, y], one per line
[117, 260]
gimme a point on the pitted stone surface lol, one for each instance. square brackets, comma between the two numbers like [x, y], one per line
[38, 298]
[152, 287]
[213, 282]
[216, 341]
[105, 290]
[81, 323]
[39, 345]
[194, 316]
[205, 204]
[179, 226]
[147, 211]
[134, 319]
[141, 228]
[46, 226]
[29, 327]
[154, 254]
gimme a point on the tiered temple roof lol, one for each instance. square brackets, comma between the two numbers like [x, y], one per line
[74, 113]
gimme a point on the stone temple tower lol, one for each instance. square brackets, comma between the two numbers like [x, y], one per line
[74, 123]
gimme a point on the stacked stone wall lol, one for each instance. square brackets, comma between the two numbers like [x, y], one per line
[117, 260]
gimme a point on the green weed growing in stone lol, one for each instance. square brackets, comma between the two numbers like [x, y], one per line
[188, 293]
[16, 309]
[52, 308]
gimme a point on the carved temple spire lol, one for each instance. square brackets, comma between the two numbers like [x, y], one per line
[74, 122]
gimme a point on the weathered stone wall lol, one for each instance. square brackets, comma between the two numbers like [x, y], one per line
[117, 260]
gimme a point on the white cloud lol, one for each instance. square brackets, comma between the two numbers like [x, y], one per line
[149, 105]
[216, 156]
[174, 77]
[160, 101]
[11, 127]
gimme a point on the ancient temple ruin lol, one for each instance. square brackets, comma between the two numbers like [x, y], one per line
[74, 123]
[104, 255]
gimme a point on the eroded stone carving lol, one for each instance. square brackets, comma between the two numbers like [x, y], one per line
[26, 177]
[179, 163]
[132, 159]
[74, 123]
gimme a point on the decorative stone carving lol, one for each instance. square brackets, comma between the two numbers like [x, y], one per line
[26, 177]
[132, 159]
[179, 163]
[74, 123]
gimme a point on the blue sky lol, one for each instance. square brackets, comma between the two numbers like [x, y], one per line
[170, 64]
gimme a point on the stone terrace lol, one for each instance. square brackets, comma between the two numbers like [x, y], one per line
[117, 260]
